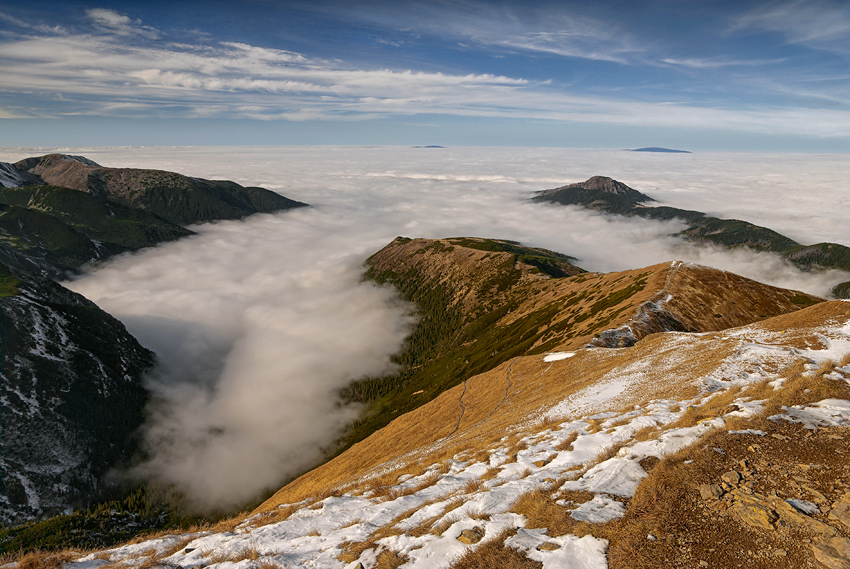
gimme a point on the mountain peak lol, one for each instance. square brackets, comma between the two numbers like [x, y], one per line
[598, 192]
[604, 184]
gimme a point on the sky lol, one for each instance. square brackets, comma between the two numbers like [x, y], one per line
[721, 75]
[258, 323]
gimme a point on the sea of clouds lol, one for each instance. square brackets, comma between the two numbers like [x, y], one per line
[259, 322]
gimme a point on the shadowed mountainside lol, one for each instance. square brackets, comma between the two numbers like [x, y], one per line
[71, 396]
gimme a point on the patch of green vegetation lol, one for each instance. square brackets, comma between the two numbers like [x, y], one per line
[8, 283]
[447, 347]
[69, 228]
[44, 235]
[550, 262]
[803, 300]
[841, 290]
[595, 199]
[820, 255]
[16, 196]
[100, 526]
[736, 233]
[617, 297]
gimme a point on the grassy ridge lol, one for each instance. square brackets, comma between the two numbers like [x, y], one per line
[450, 344]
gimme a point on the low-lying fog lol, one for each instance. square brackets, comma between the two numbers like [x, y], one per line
[259, 322]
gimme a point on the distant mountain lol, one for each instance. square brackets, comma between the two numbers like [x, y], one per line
[659, 149]
[610, 196]
[176, 198]
[71, 396]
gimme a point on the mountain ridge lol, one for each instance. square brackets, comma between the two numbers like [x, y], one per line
[702, 228]
[179, 199]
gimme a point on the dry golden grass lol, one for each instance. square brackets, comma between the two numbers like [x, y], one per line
[802, 388]
[279, 514]
[533, 392]
[351, 551]
[46, 559]
[567, 443]
[388, 559]
[541, 511]
[716, 406]
[491, 473]
[575, 496]
[493, 554]
[443, 526]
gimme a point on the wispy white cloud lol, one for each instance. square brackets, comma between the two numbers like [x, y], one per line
[718, 62]
[124, 70]
[554, 30]
[116, 23]
[820, 24]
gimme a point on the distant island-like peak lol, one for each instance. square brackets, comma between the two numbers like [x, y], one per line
[659, 149]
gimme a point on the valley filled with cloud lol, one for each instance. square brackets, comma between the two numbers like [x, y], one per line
[258, 323]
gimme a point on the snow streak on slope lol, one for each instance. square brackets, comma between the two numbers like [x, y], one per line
[595, 447]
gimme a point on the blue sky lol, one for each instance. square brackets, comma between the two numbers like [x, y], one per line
[698, 74]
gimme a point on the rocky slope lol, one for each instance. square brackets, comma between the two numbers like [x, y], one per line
[724, 448]
[176, 198]
[605, 194]
[71, 396]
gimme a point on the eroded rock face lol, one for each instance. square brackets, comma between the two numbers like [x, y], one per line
[841, 510]
[833, 552]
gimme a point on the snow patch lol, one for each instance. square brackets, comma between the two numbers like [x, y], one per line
[825, 413]
[587, 552]
[558, 356]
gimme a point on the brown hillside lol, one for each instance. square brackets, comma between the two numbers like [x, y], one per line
[718, 449]
[632, 304]
[565, 313]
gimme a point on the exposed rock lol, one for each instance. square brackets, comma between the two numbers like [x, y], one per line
[471, 536]
[548, 546]
[833, 552]
[754, 514]
[732, 477]
[710, 491]
[841, 510]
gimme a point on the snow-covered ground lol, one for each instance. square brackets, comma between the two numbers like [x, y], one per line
[422, 517]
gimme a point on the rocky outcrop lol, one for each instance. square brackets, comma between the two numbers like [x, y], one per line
[71, 397]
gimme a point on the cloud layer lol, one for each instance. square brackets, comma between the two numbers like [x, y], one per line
[259, 322]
